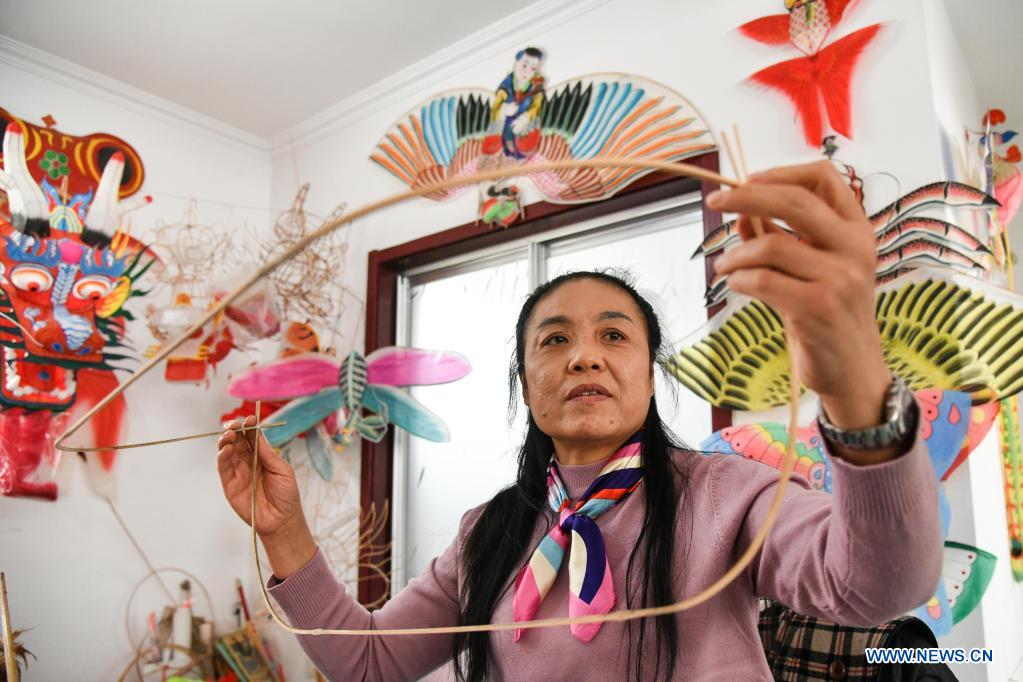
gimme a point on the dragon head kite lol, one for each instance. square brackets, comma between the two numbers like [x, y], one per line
[64, 281]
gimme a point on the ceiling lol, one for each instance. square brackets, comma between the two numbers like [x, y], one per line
[258, 65]
[264, 65]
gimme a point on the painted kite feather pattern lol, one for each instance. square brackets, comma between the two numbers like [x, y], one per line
[1012, 467]
[526, 122]
[939, 329]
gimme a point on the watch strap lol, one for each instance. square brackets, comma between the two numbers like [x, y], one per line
[900, 421]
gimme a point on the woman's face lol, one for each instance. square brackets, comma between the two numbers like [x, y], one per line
[588, 376]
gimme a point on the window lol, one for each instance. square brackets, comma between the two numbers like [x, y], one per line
[425, 292]
[469, 303]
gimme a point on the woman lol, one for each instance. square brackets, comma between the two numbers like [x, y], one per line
[657, 523]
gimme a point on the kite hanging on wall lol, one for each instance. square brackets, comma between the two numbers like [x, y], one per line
[1004, 179]
[1012, 468]
[824, 73]
[192, 253]
[905, 239]
[939, 329]
[55, 158]
[523, 121]
[951, 427]
[66, 271]
[1002, 173]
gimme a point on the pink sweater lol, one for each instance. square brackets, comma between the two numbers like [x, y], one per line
[868, 553]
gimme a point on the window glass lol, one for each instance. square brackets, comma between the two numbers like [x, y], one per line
[472, 309]
[473, 313]
[657, 254]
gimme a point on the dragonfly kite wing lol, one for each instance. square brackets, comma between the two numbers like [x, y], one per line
[396, 366]
[287, 378]
[405, 412]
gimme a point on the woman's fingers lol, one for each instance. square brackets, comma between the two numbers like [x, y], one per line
[801, 209]
[785, 294]
[747, 231]
[822, 179]
[270, 459]
[242, 441]
[775, 250]
[235, 472]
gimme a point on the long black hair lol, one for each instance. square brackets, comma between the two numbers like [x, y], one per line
[498, 543]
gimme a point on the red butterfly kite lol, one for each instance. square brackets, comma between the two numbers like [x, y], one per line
[824, 73]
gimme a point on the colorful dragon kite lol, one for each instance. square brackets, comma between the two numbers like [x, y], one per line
[66, 272]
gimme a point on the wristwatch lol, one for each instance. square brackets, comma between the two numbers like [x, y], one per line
[901, 414]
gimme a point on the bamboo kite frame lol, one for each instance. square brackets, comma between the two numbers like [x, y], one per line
[672, 168]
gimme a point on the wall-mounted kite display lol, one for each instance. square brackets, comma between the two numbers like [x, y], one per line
[309, 288]
[363, 389]
[1003, 175]
[1012, 469]
[939, 329]
[824, 73]
[54, 158]
[905, 239]
[1004, 179]
[66, 272]
[942, 411]
[525, 121]
[191, 253]
[951, 427]
[195, 257]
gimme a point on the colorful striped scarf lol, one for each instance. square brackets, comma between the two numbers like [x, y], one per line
[591, 588]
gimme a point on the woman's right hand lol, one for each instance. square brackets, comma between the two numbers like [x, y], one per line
[279, 522]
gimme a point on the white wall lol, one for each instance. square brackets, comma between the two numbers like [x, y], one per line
[69, 567]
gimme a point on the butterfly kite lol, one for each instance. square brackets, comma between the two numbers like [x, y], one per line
[951, 428]
[824, 73]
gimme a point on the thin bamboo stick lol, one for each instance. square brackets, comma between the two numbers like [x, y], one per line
[325, 229]
[10, 663]
[615, 616]
[165, 441]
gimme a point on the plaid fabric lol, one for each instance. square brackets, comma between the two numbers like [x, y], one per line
[803, 648]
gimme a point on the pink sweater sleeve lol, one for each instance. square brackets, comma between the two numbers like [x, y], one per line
[312, 598]
[863, 555]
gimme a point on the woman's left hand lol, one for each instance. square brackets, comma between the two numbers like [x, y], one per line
[821, 284]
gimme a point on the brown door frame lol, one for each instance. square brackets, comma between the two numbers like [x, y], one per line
[385, 266]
